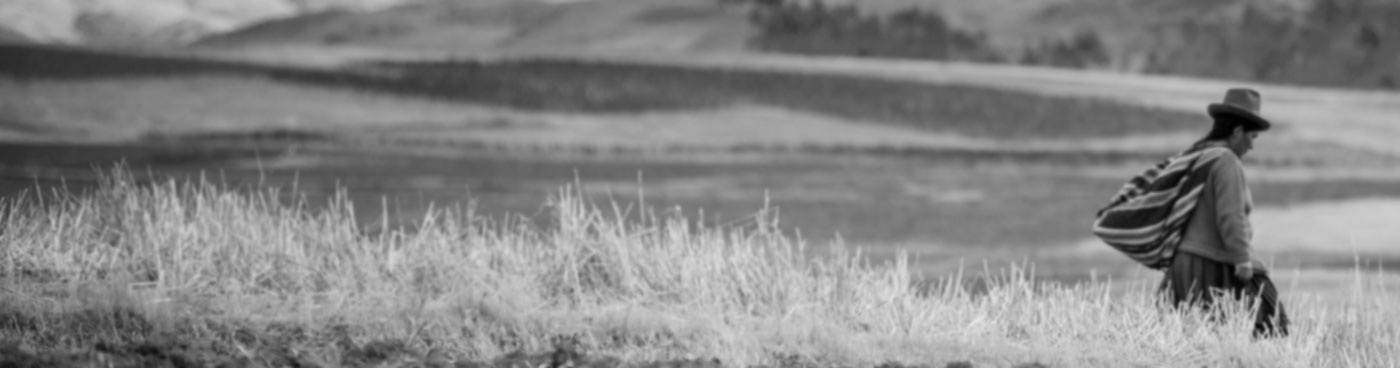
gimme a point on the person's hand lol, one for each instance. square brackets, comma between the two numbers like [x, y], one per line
[1244, 271]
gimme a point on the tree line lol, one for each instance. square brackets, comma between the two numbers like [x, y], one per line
[819, 28]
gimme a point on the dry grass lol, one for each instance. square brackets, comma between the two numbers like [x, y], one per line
[200, 256]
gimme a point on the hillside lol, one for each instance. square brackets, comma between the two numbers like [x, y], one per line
[1333, 43]
[512, 120]
[152, 23]
[9, 35]
[469, 27]
[385, 209]
[1342, 43]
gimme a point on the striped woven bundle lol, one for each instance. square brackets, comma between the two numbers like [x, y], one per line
[1148, 216]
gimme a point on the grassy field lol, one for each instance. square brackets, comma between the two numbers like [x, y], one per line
[392, 214]
[192, 273]
[726, 210]
[501, 135]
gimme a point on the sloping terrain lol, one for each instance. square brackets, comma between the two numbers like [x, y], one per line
[9, 35]
[950, 164]
[472, 24]
[1352, 118]
[151, 23]
[1009, 22]
[1340, 43]
[882, 151]
[1006, 22]
[474, 27]
[611, 87]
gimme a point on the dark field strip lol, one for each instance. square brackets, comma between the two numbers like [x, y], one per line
[203, 149]
[356, 142]
[66, 156]
[608, 87]
[580, 86]
[48, 62]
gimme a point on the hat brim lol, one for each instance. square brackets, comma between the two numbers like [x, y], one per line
[1249, 118]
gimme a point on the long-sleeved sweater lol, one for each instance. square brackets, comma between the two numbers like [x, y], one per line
[1220, 229]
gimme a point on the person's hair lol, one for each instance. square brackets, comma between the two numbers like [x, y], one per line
[1222, 128]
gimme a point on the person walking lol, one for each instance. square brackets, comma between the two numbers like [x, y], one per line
[1214, 259]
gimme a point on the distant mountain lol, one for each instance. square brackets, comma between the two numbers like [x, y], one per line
[455, 22]
[301, 27]
[514, 25]
[152, 22]
[445, 25]
[10, 36]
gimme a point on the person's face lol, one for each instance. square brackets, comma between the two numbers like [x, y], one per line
[1242, 141]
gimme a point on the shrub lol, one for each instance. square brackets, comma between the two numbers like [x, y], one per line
[819, 29]
[1084, 50]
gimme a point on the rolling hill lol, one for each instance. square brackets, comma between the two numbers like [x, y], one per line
[1334, 43]
[152, 23]
[9, 35]
[494, 26]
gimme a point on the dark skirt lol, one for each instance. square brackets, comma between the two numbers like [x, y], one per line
[1196, 280]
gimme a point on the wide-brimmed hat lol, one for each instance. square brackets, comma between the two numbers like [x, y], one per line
[1242, 103]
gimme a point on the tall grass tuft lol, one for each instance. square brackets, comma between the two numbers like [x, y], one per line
[130, 260]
